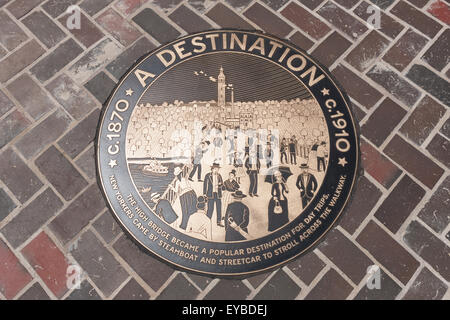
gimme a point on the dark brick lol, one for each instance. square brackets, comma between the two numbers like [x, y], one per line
[397, 207]
[200, 281]
[430, 82]
[426, 287]
[356, 87]
[122, 30]
[88, 34]
[429, 247]
[438, 55]
[305, 21]
[189, 20]
[107, 227]
[17, 176]
[275, 4]
[268, 21]
[378, 166]
[394, 84]
[71, 96]
[94, 59]
[389, 289]
[6, 205]
[301, 41]
[122, 63]
[56, 7]
[388, 25]
[331, 49]
[311, 4]
[43, 28]
[279, 287]
[36, 102]
[342, 20]
[307, 267]
[32, 217]
[368, 50]
[60, 173]
[86, 292]
[419, 3]
[13, 275]
[226, 18]
[331, 287]
[11, 126]
[345, 255]
[228, 290]
[35, 292]
[388, 252]
[166, 5]
[156, 26]
[86, 162]
[383, 4]
[179, 289]
[101, 266]
[48, 262]
[47, 131]
[415, 162]
[12, 35]
[56, 60]
[365, 197]
[152, 271]
[347, 3]
[19, 60]
[255, 281]
[77, 139]
[128, 7]
[383, 121]
[94, 6]
[19, 8]
[78, 214]
[132, 291]
[405, 50]
[435, 213]
[100, 86]
[416, 18]
[439, 148]
[423, 120]
[445, 130]
[5, 103]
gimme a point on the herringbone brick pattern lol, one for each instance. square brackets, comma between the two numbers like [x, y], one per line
[53, 82]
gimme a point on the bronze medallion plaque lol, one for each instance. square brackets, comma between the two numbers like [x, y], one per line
[227, 152]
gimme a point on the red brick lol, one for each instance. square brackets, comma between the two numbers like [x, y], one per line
[345, 255]
[363, 200]
[118, 27]
[305, 21]
[331, 287]
[189, 20]
[440, 10]
[17, 176]
[356, 87]
[367, 51]
[88, 34]
[378, 166]
[13, 275]
[415, 162]
[268, 21]
[388, 252]
[429, 248]
[48, 262]
[342, 20]
[331, 49]
[423, 120]
[19, 60]
[227, 18]
[397, 207]
[383, 121]
[416, 18]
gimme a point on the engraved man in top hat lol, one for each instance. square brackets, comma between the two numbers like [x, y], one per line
[212, 189]
[307, 184]
[253, 165]
[199, 224]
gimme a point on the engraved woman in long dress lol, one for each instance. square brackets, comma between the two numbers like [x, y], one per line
[188, 198]
[278, 205]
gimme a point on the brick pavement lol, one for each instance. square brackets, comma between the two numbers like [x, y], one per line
[53, 82]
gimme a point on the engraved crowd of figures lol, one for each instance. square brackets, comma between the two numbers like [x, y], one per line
[174, 130]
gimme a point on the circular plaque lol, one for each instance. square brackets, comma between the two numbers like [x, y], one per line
[227, 152]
